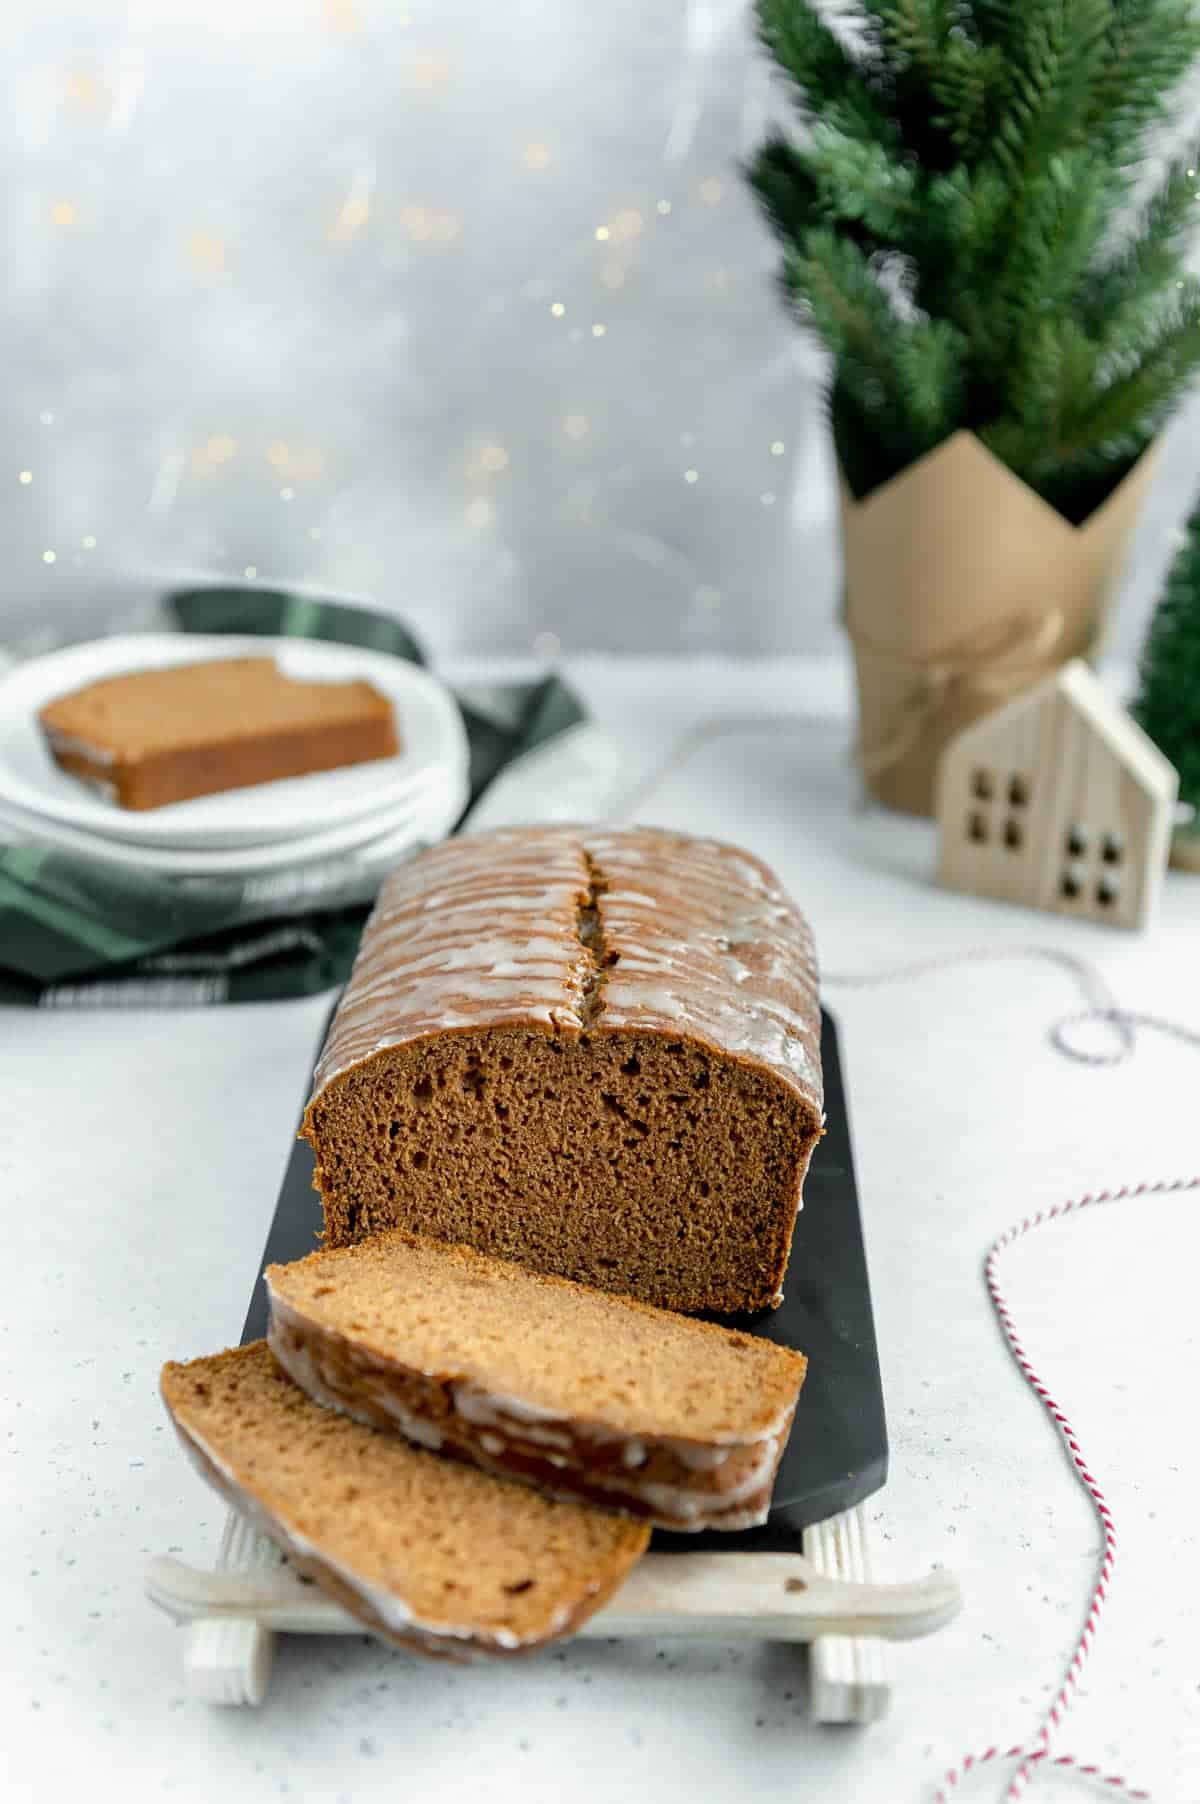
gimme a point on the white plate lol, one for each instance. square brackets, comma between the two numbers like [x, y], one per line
[428, 815]
[427, 719]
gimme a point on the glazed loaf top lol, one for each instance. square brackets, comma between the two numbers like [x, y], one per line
[586, 929]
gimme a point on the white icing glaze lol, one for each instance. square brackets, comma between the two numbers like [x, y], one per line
[701, 940]
[299, 1362]
[701, 1507]
[101, 785]
[511, 1424]
[484, 1409]
[699, 1459]
[71, 747]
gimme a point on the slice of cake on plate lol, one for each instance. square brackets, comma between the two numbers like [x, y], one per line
[151, 737]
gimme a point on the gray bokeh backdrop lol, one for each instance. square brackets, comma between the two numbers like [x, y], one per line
[454, 305]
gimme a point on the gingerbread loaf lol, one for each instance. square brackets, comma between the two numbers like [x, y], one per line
[577, 1391]
[594, 1052]
[427, 1553]
[151, 737]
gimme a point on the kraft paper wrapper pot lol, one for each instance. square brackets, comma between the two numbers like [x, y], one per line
[1185, 852]
[962, 588]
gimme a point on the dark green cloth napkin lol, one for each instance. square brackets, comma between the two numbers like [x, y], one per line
[81, 932]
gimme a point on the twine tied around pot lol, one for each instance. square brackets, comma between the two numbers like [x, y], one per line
[977, 673]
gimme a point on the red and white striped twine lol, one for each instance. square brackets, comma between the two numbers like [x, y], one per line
[1038, 1754]
[1123, 1024]
[1102, 1010]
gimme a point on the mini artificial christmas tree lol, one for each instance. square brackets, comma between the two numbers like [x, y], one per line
[1168, 701]
[948, 228]
[1006, 340]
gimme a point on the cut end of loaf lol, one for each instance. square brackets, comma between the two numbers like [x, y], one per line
[632, 1162]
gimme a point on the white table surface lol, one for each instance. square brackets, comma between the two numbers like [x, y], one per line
[139, 1160]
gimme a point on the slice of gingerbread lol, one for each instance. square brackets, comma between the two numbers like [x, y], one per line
[150, 737]
[580, 1392]
[427, 1553]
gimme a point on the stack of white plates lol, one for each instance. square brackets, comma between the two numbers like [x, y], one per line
[387, 806]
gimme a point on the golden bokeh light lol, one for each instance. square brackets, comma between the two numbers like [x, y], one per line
[206, 250]
[431, 69]
[342, 16]
[354, 214]
[82, 89]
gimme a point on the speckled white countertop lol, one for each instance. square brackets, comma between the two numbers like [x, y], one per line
[139, 1161]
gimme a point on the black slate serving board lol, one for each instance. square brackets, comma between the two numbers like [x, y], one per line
[837, 1454]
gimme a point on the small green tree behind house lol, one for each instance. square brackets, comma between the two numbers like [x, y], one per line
[1168, 701]
[950, 214]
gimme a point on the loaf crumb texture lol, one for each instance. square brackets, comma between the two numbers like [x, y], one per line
[564, 1349]
[459, 1554]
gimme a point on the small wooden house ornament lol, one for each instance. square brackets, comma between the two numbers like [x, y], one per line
[1058, 800]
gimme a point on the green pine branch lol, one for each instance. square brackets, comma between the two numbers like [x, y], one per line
[863, 184]
[915, 32]
[1168, 698]
[859, 186]
[1061, 54]
[968, 85]
[818, 64]
[1045, 251]
[1149, 47]
[1134, 284]
[1058, 363]
[1116, 417]
[903, 376]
